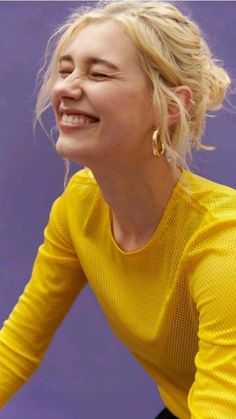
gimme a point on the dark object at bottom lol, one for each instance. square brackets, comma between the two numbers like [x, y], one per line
[165, 414]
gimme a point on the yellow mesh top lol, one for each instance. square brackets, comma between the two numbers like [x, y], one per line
[172, 302]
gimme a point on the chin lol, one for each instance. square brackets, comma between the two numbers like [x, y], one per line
[66, 150]
[62, 148]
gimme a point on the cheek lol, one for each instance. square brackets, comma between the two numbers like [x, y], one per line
[114, 101]
[131, 104]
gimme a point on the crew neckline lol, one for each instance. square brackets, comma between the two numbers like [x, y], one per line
[160, 227]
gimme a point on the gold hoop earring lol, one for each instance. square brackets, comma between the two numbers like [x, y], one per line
[157, 151]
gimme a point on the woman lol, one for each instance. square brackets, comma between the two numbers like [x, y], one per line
[155, 242]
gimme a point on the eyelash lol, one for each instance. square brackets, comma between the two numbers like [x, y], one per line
[99, 74]
[64, 72]
[93, 74]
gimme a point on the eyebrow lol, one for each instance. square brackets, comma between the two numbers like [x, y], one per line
[90, 61]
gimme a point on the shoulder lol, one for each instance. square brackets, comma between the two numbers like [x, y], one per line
[209, 257]
[82, 187]
[82, 177]
[216, 225]
[216, 231]
[78, 197]
[217, 201]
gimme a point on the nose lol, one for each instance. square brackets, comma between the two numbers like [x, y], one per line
[70, 87]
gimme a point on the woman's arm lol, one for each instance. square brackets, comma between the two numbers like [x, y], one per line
[56, 281]
[213, 287]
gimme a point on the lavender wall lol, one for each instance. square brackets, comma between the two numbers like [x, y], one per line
[86, 373]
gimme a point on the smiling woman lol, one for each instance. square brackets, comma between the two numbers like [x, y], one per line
[130, 84]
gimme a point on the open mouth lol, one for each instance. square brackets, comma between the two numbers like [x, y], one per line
[77, 120]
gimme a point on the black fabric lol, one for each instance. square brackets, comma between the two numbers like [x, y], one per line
[165, 414]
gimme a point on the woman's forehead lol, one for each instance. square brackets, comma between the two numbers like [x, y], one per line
[101, 39]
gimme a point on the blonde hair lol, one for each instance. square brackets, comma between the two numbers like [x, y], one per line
[172, 52]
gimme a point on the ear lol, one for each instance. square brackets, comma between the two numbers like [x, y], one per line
[185, 95]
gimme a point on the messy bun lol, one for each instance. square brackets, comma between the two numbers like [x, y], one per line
[213, 85]
[218, 82]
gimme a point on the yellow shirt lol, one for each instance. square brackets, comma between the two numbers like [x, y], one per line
[172, 302]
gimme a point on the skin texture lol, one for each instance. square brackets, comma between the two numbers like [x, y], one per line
[118, 147]
[122, 100]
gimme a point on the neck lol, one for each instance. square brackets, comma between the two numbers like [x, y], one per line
[137, 197]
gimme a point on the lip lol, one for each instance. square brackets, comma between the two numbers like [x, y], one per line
[70, 111]
[67, 127]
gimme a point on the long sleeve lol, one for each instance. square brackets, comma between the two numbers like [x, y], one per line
[213, 286]
[56, 281]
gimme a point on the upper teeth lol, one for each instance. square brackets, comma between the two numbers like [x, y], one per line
[76, 119]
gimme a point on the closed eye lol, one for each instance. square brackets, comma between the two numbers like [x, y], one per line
[99, 75]
[93, 75]
[64, 73]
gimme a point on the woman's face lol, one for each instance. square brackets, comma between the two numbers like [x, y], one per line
[102, 99]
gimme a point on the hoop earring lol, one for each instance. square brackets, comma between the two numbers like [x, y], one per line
[157, 152]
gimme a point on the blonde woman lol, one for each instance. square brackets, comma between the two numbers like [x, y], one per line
[130, 84]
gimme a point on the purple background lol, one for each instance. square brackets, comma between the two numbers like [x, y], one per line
[86, 372]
